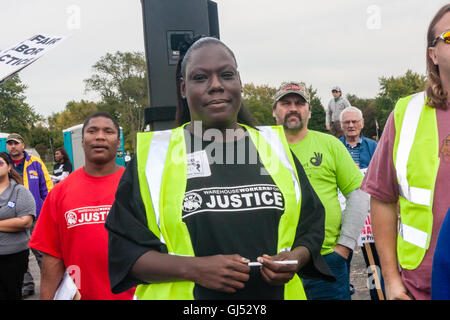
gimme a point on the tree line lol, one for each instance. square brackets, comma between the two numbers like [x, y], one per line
[120, 79]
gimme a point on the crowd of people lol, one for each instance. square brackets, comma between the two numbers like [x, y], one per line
[221, 208]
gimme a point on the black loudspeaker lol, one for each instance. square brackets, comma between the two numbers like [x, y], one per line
[166, 24]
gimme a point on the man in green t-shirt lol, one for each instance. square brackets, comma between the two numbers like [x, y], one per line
[329, 167]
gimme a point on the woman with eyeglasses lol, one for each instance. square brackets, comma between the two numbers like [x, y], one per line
[411, 166]
[17, 212]
[215, 208]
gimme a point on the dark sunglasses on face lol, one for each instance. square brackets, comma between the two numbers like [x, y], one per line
[444, 36]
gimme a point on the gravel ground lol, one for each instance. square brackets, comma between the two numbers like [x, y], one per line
[358, 276]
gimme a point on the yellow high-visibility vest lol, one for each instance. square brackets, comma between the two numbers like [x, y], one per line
[416, 160]
[162, 173]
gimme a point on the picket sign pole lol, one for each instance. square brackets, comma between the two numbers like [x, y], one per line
[374, 271]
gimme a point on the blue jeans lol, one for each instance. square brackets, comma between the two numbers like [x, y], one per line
[323, 290]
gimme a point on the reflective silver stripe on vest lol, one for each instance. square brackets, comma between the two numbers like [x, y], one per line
[405, 142]
[413, 235]
[157, 154]
[274, 141]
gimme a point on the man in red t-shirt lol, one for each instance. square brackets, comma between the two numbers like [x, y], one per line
[70, 231]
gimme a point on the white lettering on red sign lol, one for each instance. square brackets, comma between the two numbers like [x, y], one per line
[86, 215]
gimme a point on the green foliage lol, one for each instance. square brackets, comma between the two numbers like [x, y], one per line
[394, 88]
[398, 87]
[367, 107]
[121, 81]
[317, 120]
[75, 112]
[15, 114]
[40, 139]
[259, 100]
[383, 106]
[391, 89]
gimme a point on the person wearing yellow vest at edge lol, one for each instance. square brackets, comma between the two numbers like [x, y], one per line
[200, 204]
[410, 166]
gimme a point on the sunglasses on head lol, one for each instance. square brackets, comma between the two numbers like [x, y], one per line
[444, 36]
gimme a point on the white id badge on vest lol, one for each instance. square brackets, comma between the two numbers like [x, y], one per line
[198, 165]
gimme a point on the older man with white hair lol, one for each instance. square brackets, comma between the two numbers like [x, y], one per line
[360, 148]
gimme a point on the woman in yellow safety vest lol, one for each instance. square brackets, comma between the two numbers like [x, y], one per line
[215, 208]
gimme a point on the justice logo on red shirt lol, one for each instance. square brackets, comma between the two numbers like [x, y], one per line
[86, 215]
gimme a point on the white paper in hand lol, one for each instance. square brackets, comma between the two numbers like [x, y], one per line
[67, 288]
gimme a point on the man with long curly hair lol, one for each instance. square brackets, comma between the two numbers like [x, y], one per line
[408, 168]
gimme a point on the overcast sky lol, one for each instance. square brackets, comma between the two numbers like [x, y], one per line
[350, 43]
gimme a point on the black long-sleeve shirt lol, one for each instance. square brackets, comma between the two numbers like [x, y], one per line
[232, 208]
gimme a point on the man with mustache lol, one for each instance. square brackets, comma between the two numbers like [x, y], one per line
[328, 166]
